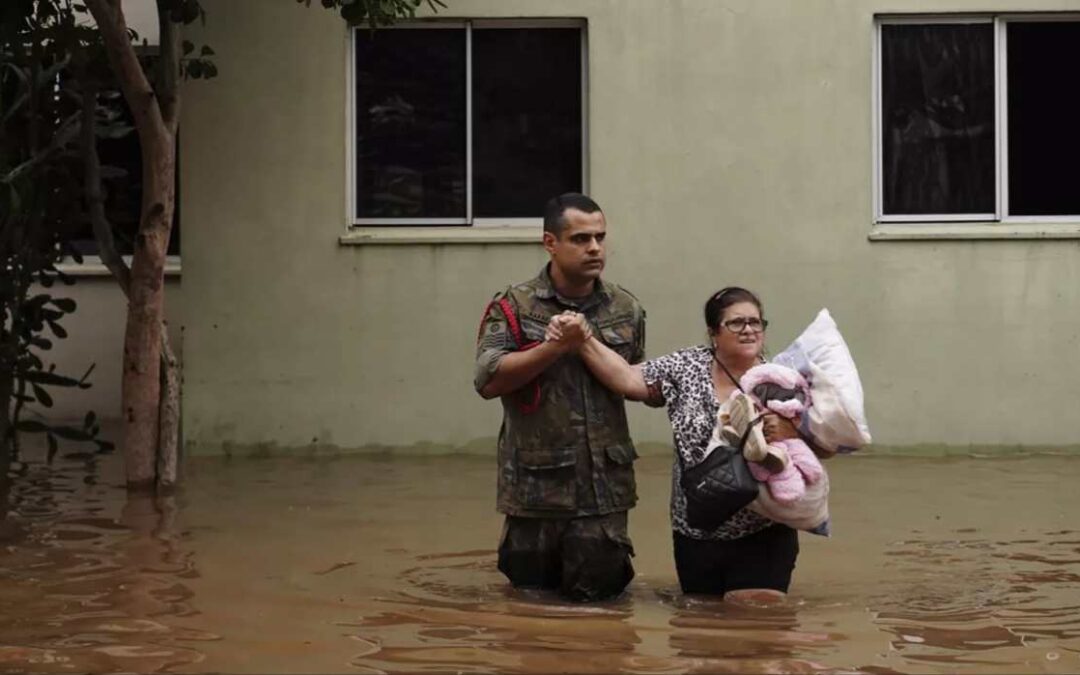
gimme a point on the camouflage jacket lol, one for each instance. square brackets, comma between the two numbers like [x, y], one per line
[573, 455]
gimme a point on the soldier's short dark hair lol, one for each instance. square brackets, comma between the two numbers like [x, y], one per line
[554, 222]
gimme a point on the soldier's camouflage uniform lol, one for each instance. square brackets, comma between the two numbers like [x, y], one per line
[566, 474]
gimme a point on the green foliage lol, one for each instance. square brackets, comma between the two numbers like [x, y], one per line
[377, 13]
[41, 205]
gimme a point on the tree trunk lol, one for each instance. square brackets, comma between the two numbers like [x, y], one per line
[155, 114]
[167, 455]
[141, 386]
[169, 415]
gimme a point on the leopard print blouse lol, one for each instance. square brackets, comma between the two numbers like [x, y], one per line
[685, 380]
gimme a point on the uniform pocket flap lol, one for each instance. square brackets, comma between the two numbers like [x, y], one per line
[533, 329]
[621, 454]
[547, 459]
[618, 334]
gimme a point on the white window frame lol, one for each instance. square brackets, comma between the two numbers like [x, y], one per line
[469, 220]
[1001, 215]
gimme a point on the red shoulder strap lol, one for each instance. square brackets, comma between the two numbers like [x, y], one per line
[512, 322]
[532, 404]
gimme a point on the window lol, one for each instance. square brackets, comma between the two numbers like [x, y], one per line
[975, 119]
[121, 167]
[474, 123]
[120, 154]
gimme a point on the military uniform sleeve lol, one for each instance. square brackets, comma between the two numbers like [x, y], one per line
[493, 341]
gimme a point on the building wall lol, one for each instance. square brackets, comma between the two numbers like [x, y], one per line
[729, 143]
[96, 338]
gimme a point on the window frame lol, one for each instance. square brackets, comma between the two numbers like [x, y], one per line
[355, 223]
[1001, 215]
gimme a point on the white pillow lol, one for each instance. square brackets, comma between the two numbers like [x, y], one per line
[837, 418]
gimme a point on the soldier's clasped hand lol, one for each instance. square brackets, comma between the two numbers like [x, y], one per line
[569, 330]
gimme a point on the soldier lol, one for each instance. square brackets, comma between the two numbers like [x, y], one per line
[565, 458]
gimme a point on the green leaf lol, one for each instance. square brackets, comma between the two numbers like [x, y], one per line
[206, 51]
[71, 434]
[53, 447]
[64, 304]
[31, 426]
[188, 47]
[58, 330]
[190, 11]
[105, 446]
[42, 396]
[88, 422]
[51, 379]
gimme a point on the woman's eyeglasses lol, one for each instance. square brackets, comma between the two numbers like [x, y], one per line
[739, 324]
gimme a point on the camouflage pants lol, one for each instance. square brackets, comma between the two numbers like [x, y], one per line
[584, 558]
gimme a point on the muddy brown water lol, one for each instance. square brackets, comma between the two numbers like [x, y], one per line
[369, 564]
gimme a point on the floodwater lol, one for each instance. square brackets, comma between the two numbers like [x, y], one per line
[367, 564]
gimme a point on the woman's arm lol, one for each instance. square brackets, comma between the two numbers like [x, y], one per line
[777, 428]
[821, 452]
[613, 371]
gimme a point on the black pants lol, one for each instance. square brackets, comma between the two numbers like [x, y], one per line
[585, 558]
[764, 559]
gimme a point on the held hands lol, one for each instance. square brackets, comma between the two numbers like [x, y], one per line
[568, 331]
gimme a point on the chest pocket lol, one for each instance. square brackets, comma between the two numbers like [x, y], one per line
[533, 325]
[617, 332]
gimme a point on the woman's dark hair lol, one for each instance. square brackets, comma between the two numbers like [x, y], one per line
[724, 298]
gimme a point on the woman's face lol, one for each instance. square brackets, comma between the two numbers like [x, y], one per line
[740, 345]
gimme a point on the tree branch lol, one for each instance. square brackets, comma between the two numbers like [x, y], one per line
[137, 90]
[95, 195]
[168, 66]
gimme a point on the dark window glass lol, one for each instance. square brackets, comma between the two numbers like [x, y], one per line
[121, 178]
[937, 119]
[526, 119]
[1044, 118]
[410, 123]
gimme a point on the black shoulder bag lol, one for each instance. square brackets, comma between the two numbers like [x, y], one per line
[721, 484]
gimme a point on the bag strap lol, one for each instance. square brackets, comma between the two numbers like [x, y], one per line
[726, 371]
[756, 420]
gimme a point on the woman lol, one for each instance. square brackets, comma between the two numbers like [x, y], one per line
[747, 558]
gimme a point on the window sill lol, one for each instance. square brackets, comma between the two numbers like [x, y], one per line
[972, 231]
[92, 266]
[394, 235]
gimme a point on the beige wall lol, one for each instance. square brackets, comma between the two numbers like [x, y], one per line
[96, 337]
[730, 143]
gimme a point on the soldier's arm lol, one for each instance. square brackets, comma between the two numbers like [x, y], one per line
[500, 367]
[516, 369]
[613, 371]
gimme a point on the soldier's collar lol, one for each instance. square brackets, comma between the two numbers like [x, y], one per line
[546, 290]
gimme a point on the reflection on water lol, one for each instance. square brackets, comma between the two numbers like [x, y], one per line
[88, 582]
[377, 564]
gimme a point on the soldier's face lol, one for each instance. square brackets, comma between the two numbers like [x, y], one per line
[579, 249]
